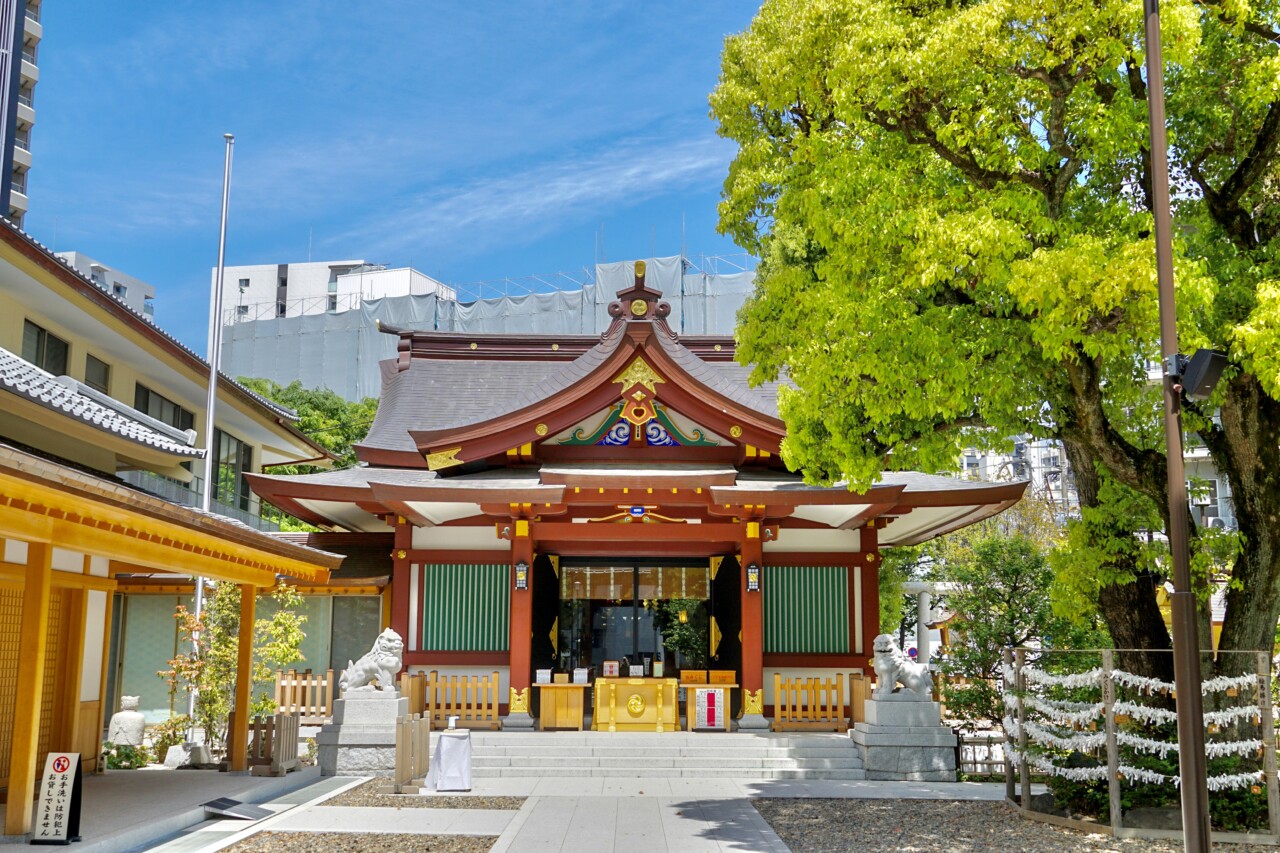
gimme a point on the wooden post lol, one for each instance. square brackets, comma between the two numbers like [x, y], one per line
[752, 609]
[1113, 748]
[1024, 771]
[1007, 659]
[238, 737]
[521, 633]
[1267, 720]
[400, 569]
[32, 649]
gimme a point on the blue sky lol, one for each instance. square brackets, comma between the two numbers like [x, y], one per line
[473, 141]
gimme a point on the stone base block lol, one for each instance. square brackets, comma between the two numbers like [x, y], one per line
[518, 722]
[910, 710]
[753, 723]
[361, 740]
[906, 753]
[187, 755]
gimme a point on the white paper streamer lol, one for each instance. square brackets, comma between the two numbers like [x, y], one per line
[1129, 774]
[1071, 741]
[1088, 678]
[1065, 713]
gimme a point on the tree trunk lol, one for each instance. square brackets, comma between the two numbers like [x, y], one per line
[1130, 610]
[1247, 451]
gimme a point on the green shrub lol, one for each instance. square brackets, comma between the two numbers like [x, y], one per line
[124, 757]
[171, 732]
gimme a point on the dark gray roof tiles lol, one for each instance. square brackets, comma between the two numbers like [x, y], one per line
[21, 377]
[728, 379]
[436, 394]
[448, 393]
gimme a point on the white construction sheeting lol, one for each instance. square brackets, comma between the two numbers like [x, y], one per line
[341, 351]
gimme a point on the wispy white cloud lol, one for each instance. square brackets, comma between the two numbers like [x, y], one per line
[524, 205]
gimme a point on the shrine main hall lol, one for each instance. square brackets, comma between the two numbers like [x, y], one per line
[573, 502]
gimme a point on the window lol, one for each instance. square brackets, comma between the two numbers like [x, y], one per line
[97, 374]
[244, 285]
[242, 310]
[234, 458]
[46, 351]
[148, 306]
[119, 290]
[162, 408]
[280, 309]
[333, 302]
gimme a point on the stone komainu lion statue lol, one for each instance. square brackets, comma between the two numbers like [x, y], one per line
[377, 669]
[893, 668]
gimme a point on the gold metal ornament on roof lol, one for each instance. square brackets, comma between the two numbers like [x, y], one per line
[735, 431]
[639, 307]
[640, 373]
[540, 429]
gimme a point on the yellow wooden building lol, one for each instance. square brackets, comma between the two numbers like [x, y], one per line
[99, 427]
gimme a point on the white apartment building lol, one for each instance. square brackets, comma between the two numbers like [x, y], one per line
[135, 293]
[32, 32]
[271, 291]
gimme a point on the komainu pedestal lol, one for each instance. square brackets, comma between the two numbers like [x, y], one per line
[361, 740]
[902, 737]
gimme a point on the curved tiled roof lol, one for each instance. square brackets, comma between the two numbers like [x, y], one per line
[64, 395]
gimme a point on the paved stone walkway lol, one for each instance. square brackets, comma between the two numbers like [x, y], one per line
[588, 815]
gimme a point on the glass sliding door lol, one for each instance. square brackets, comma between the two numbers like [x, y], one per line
[634, 612]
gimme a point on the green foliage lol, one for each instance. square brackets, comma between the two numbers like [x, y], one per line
[171, 732]
[952, 209]
[210, 667]
[323, 417]
[689, 638]
[896, 567]
[124, 757]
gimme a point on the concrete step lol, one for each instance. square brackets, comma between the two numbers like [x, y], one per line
[662, 773]
[671, 761]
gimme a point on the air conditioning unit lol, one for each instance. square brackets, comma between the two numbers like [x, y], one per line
[1218, 523]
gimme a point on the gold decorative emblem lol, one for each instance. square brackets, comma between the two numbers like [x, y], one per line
[444, 459]
[635, 705]
[540, 429]
[640, 373]
[400, 555]
[735, 431]
[474, 345]
[753, 703]
[555, 347]
[639, 307]
[519, 701]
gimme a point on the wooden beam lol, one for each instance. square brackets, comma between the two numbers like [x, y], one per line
[610, 532]
[238, 737]
[32, 650]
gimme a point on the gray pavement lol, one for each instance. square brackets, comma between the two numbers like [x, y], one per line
[585, 815]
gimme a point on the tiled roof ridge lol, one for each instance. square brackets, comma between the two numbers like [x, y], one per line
[276, 408]
[20, 376]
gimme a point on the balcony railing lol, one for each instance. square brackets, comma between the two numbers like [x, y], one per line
[33, 13]
[189, 495]
[26, 100]
[29, 56]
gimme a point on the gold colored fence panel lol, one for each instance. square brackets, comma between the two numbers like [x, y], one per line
[809, 704]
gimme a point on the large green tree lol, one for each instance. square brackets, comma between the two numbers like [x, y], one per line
[952, 205]
[324, 417]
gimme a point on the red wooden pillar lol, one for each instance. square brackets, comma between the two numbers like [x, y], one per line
[752, 610]
[869, 544]
[521, 633]
[400, 569]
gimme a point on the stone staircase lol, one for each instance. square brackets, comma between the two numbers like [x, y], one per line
[739, 755]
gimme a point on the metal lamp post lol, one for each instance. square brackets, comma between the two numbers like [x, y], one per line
[1186, 646]
[211, 398]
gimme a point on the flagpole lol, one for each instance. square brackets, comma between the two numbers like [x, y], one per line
[211, 397]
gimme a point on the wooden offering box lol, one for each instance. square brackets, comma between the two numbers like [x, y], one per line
[561, 706]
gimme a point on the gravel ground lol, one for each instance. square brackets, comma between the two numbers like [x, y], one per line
[367, 795]
[941, 826]
[342, 842]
